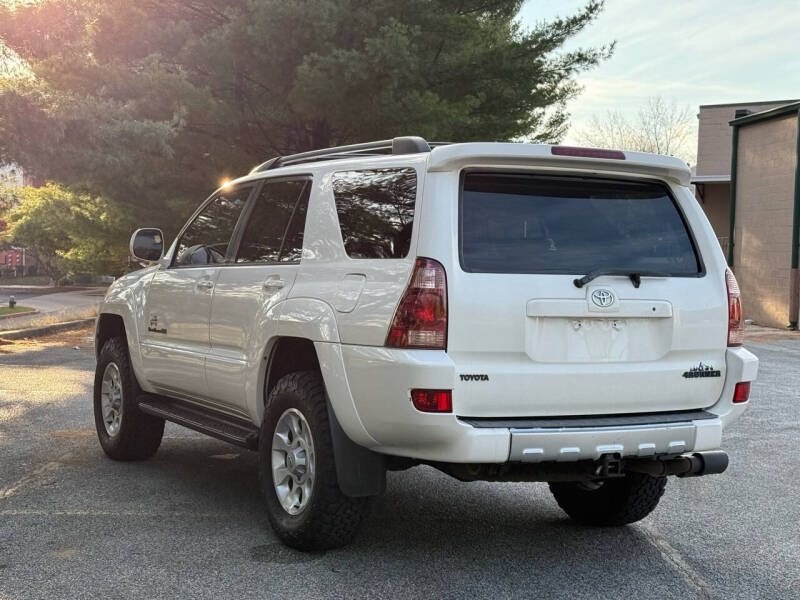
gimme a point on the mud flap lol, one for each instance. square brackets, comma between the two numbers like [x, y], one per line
[359, 471]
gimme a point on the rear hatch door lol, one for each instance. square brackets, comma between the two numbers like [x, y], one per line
[527, 341]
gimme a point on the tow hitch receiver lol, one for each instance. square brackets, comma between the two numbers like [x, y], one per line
[610, 465]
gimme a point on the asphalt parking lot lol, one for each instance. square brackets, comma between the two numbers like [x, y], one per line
[189, 523]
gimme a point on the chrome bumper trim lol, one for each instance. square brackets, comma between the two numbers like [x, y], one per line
[590, 443]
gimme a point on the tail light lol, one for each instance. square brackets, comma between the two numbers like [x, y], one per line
[735, 320]
[741, 392]
[421, 317]
[434, 401]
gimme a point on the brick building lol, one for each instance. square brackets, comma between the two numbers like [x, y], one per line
[748, 183]
[712, 178]
[14, 262]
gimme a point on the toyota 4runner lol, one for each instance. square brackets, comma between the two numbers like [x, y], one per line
[502, 312]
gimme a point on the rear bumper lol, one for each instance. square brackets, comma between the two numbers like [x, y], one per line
[590, 443]
[589, 438]
[379, 381]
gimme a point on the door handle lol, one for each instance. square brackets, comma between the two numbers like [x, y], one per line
[274, 284]
[205, 284]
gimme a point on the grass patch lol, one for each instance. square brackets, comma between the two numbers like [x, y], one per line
[5, 310]
[33, 280]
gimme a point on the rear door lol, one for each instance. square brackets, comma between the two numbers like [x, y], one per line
[178, 303]
[527, 341]
[261, 274]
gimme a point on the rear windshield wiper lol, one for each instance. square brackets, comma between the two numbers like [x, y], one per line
[634, 274]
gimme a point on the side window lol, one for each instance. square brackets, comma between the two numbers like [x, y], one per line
[206, 240]
[376, 211]
[274, 231]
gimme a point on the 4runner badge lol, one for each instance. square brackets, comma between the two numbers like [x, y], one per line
[702, 370]
[479, 377]
[153, 328]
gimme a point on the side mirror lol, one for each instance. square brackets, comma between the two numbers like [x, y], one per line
[147, 244]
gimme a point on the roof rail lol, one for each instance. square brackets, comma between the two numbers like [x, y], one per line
[399, 145]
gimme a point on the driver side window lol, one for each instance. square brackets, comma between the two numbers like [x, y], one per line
[205, 241]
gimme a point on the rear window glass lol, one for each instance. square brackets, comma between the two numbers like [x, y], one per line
[376, 211]
[570, 225]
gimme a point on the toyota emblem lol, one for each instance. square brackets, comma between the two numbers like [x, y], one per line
[603, 298]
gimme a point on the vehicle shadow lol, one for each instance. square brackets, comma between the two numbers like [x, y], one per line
[429, 535]
[430, 529]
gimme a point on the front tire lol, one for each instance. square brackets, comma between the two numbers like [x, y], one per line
[124, 432]
[611, 502]
[297, 471]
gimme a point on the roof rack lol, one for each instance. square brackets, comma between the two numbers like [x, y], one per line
[399, 145]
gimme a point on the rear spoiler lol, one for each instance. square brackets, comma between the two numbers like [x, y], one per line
[479, 154]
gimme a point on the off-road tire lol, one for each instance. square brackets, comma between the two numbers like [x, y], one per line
[331, 519]
[140, 434]
[616, 502]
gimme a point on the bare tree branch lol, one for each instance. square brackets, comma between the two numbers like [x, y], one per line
[660, 127]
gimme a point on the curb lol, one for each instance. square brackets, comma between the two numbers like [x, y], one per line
[27, 313]
[46, 289]
[34, 332]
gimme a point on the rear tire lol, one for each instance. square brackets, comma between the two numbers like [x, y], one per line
[615, 502]
[305, 506]
[124, 432]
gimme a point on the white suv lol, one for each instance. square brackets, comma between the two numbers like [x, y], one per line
[502, 312]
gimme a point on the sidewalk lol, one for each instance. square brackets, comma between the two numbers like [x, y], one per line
[761, 333]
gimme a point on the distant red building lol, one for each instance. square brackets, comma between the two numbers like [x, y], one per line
[15, 263]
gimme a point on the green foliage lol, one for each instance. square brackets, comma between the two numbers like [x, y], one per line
[9, 279]
[151, 103]
[66, 232]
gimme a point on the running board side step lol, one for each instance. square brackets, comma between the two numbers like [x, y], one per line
[221, 426]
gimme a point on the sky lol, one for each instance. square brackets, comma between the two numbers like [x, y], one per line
[694, 52]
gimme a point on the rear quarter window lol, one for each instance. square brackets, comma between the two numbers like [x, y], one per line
[376, 211]
[512, 223]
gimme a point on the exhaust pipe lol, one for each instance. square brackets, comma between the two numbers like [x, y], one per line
[688, 465]
[710, 463]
